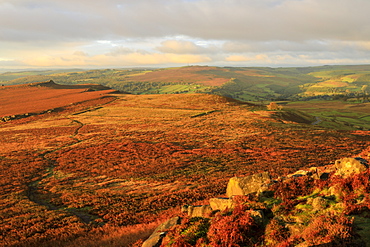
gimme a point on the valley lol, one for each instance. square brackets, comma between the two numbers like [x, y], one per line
[341, 82]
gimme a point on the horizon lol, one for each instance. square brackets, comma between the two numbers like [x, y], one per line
[41, 69]
[59, 34]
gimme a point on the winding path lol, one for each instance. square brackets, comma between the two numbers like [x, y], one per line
[318, 120]
[33, 192]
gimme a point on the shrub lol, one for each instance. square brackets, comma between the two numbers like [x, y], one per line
[236, 229]
[329, 229]
[191, 232]
[293, 188]
[276, 232]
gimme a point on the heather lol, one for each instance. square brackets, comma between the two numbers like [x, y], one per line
[105, 171]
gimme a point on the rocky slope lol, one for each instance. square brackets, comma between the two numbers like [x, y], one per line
[320, 206]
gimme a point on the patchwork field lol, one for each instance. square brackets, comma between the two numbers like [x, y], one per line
[336, 114]
[107, 170]
[243, 83]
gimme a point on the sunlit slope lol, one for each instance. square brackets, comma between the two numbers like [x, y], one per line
[239, 83]
[341, 80]
[46, 96]
[96, 169]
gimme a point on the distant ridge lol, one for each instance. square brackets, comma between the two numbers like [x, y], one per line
[52, 84]
[37, 98]
[242, 83]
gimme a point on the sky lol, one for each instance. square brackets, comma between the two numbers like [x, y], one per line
[172, 33]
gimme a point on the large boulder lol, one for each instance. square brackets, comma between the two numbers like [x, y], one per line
[221, 204]
[347, 166]
[155, 240]
[240, 186]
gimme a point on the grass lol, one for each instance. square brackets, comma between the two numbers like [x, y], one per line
[170, 89]
[336, 114]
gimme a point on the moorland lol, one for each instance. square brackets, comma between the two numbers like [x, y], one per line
[84, 165]
[242, 83]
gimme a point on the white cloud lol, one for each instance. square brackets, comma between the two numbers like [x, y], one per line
[245, 58]
[215, 31]
[78, 59]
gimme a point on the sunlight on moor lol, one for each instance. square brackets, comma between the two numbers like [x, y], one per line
[86, 165]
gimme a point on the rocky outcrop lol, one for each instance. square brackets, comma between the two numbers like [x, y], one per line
[261, 185]
[159, 233]
[20, 116]
[221, 204]
[240, 186]
[197, 211]
[348, 166]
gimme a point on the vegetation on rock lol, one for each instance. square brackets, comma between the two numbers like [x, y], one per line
[300, 210]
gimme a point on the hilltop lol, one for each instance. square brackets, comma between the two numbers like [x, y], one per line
[107, 170]
[37, 98]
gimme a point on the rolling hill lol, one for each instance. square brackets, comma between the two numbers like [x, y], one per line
[108, 168]
[247, 84]
[37, 98]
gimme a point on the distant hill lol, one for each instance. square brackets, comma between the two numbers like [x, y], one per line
[242, 83]
[51, 84]
[35, 98]
[8, 76]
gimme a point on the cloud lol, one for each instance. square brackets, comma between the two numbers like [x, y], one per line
[298, 20]
[80, 54]
[107, 60]
[118, 51]
[6, 64]
[277, 45]
[244, 58]
[180, 47]
[173, 31]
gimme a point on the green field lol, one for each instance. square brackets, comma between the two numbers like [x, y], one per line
[336, 114]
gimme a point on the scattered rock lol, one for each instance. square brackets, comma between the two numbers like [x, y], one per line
[184, 209]
[318, 203]
[274, 107]
[221, 204]
[239, 186]
[199, 211]
[260, 183]
[316, 173]
[348, 166]
[155, 240]
[300, 173]
[321, 175]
